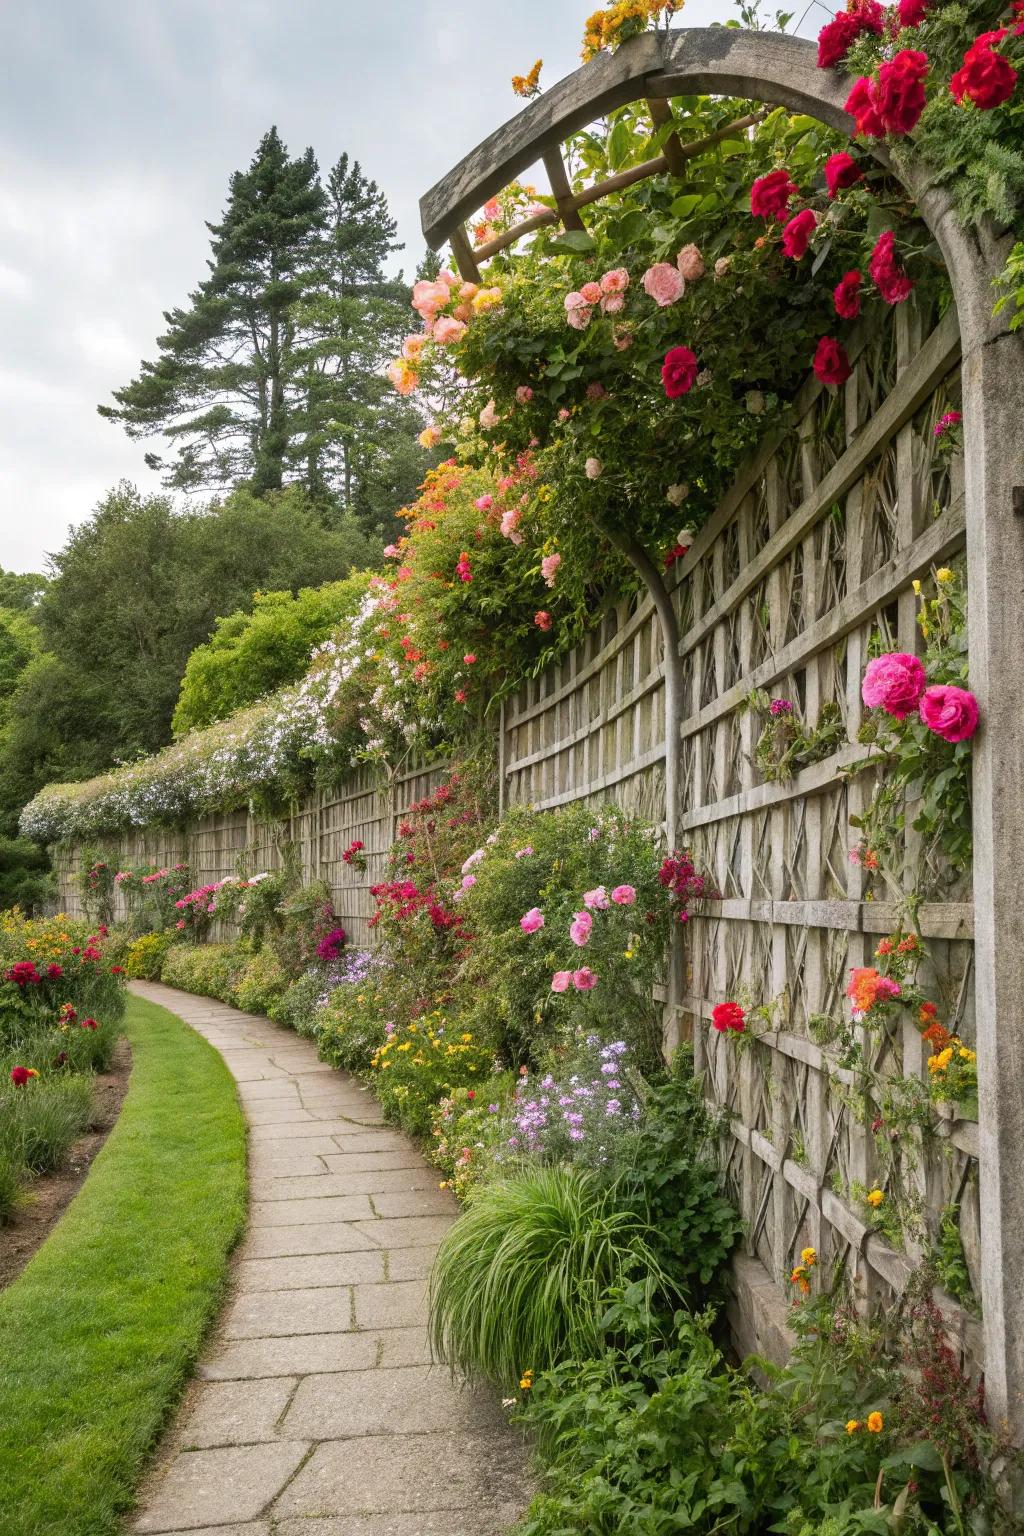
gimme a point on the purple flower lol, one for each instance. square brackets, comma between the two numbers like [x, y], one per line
[780, 707]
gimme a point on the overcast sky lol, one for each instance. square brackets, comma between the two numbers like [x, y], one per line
[120, 123]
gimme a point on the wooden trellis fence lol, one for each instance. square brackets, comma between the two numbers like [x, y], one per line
[319, 831]
[814, 548]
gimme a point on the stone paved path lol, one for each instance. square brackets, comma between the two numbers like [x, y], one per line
[316, 1411]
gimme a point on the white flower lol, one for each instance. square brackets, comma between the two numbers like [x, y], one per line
[593, 469]
[677, 494]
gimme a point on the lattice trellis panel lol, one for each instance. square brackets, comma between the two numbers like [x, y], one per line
[320, 830]
[852, 507]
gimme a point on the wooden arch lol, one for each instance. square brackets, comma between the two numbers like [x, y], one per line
[764, 67]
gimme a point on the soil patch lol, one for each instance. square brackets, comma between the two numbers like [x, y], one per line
[48, 1196]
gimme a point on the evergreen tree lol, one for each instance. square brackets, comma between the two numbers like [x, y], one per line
[220, 389]
[359, 439]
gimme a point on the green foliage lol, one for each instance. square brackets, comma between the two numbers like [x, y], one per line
[11, 1189]
[657, 1434]
[208, 969]
[522, 1277]
[949, 1260]
[259, 983]
[251, 653]
[21, 591]
[26, 877]
[351, 1026]
[572, 851]
[136, 588]
[146, 955]
[40, 1121]
[102, 1328]
[470, 1132]
[423, 1060]
[1012, 279]
[671, 1171]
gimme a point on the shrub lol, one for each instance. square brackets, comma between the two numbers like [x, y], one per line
[557, 865]
[470, 1132]
[260, 982]
[145, 956]
[523, 1276]
[352, 1024]
[423, 1060]
[670, 1167]
[207, 969]
[71, 965]
[40, 1121]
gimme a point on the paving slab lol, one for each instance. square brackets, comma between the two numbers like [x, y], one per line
[268, 1314]
[220, 1487]
[423, 1474]
[414, 1399]
[305, 1270]
[316, 1410]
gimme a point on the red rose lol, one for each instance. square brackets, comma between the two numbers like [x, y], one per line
[986, 78]
[835, 38]
[728, 1016]
[863, 109]
[678, 371]
[21, 1075]
[53, 972]
[841, 170]
[888, 277]
[900, 96]
[770, 195]
[846, 295]
[797, 233]
[870, 15]
[831, 364]
[912, 12]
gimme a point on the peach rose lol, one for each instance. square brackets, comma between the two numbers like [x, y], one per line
[664, 284]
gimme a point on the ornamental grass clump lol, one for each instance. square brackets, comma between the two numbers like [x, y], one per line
[41, 1119]
[521, 1280]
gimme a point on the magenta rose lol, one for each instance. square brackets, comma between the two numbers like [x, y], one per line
[580, 928]
[624, 895]
[797, 233]
[560, 981]
[894, 683]
[584, 980]
[532, 920]
[950, 712]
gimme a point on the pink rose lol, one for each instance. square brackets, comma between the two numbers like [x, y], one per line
[560, 981]
[524, 394]
[584, 980]
[428, 298]
[549, 568]
[612, 304]
[615, 281]
[468, 882]
[950, 712]
[532, 920]
[591, 292]
[447, 331]
[578, 311]
[690, 263]
[484, 503]
[597, 899]
[664, 283]
[579, 931]
[624, 895]
[894, 683]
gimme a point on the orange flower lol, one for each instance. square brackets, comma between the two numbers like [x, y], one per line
[875, 1423]
[528, 85]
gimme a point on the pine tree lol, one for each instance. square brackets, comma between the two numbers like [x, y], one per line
[359, 439]
[222, 387]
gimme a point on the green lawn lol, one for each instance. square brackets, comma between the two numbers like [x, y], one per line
[98, 1333]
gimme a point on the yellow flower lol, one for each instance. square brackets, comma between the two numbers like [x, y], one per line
[443, 1184]
[526, 1381]
[628, 954]
[944, 574]
[875, 1423]
[809, 1255]
[852, 1426]
[966, 1055]
[528, 85]
[917, 588]
[875, 1198]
